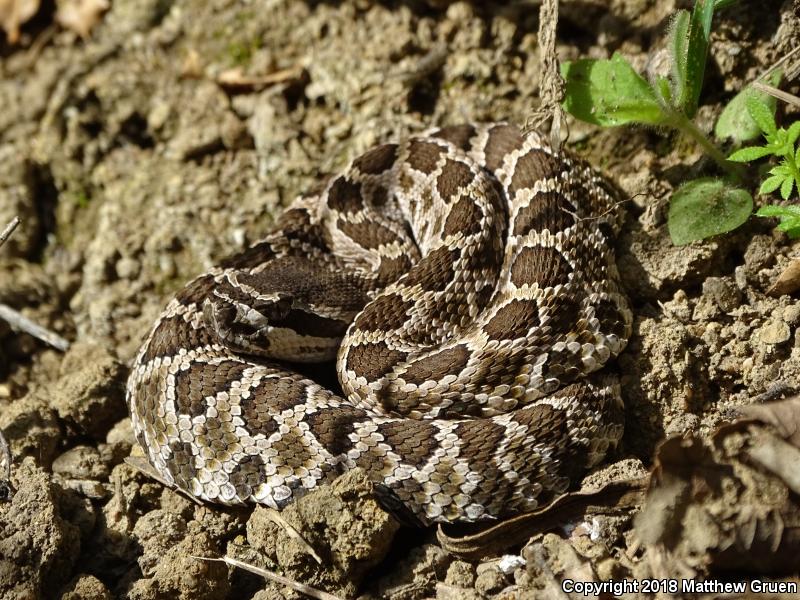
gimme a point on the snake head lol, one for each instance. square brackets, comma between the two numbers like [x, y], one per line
[272, 324]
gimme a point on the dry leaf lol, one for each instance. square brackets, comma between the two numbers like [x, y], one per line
[784, 416]
[778, 457]
[80, 16]
[788, 281]
[14, 13]
[709, 509]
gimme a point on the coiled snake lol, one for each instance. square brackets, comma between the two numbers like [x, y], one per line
[465, 282]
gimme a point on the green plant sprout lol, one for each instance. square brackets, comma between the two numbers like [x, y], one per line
[610, 93]
[785, 177]
[780, 143]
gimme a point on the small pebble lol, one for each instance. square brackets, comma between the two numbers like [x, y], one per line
[774, 332]
[460, 574]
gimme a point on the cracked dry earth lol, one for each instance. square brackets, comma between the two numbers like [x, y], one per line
[172, 136]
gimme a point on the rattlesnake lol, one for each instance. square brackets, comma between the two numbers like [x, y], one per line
[464, 280]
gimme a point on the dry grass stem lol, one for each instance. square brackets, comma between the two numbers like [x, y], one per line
[298, 587]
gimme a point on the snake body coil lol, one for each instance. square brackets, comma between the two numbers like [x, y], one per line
[465, 282]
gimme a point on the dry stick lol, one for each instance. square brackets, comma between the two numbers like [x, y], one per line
[790, 63]
[20, 322]
[298, 587]
[551, 89]
[791, 71]
[779, 94]
[5, 451]
[6, 492]
[274, 516]
[9, 229]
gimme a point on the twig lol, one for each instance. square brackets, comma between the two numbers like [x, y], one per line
[298, 587]
[791, 71]
[551, 89]
[9, 229]
[779, 94]
[22, 323]
[292, 532]
[6, 492]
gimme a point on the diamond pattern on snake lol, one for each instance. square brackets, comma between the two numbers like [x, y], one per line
[463, 281]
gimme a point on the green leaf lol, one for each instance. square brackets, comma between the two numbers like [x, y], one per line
[735, 121]
[793, 133]
[789, 216]
[679, 49]
[771, 184]
[786, 188]
[609, 93]
[720, 4]
[750, 153]
[663, 91]
[705, 207]
[773, 210]
[761, 115]
[696, 54]
[782, 169]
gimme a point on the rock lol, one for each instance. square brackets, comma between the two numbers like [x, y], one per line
[86, 586]
[38, 547]
[177, 575]
[341, 521]
[774, 332]
[31, 428]
[724, 292]
[157, 532]
[90, 396]
[460, 574]
[81, 462]
[490, 579]
[445, 591]
[415, 576]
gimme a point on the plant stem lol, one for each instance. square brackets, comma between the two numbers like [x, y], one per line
[685, 125]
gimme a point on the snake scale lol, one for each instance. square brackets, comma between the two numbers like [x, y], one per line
[464, 281]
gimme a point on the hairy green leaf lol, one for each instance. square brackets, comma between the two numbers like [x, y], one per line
[789, 216]
[609, 93]
[793, 133]
[786, 188]
[750, 153]
[735, 121]
[705, 207]
[679, 50]
[761, 115]
[696, 55]
[773, 210]
[771, 184]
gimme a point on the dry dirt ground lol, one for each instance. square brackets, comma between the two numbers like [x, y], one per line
[139, 156]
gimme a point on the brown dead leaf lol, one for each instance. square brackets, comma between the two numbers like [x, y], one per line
[776, 456]
[80, 16]
[784, 416]
[725, 503]
[788, 281]
[14, 13]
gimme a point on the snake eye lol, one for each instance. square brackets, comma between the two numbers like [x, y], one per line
[275, 311]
